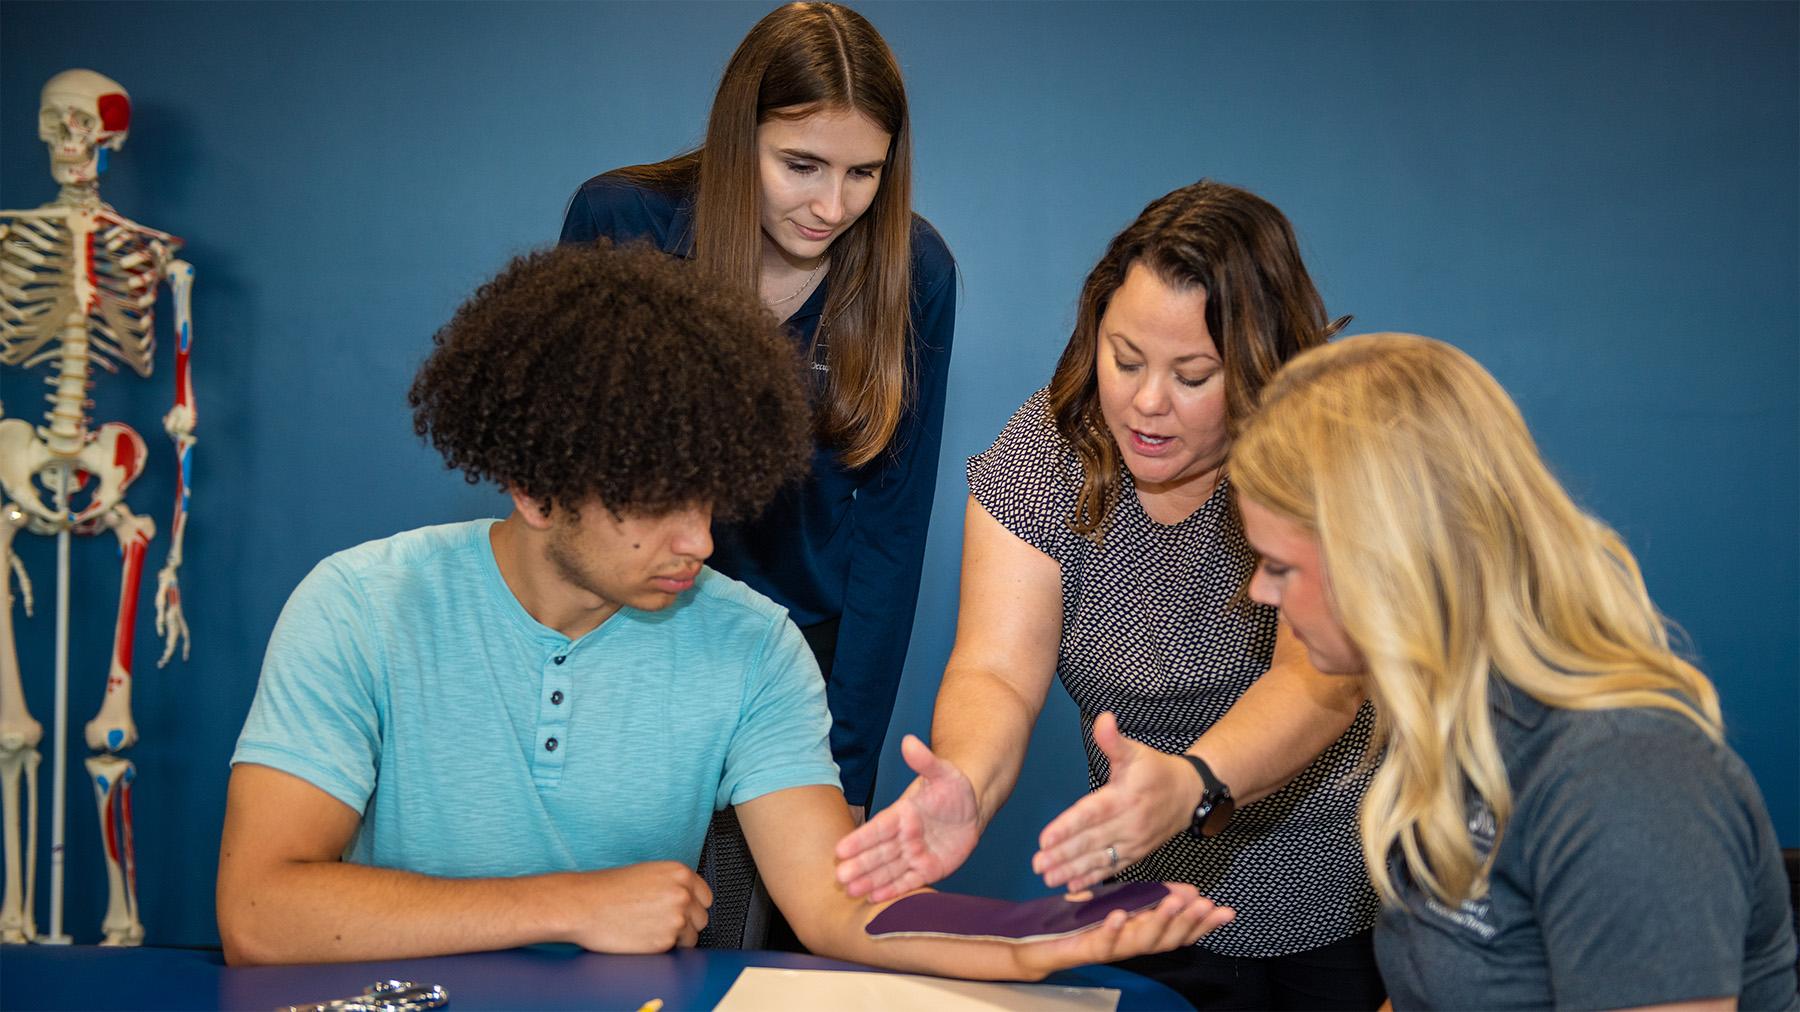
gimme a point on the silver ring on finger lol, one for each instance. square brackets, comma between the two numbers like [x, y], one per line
[1112, 857]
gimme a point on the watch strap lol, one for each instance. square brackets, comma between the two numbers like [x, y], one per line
[1216, 806]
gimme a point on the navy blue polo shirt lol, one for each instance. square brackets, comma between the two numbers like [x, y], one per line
[848, 543]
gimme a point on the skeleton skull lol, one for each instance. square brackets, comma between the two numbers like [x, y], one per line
[82, 115]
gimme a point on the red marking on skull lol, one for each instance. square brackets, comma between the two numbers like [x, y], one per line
[115, 111]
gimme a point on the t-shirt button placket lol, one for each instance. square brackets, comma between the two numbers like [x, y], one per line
[552, 717]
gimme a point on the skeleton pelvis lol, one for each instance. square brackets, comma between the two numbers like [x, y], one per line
[110, 461]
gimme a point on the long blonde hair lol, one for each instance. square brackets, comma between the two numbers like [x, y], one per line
[1453, 556]
[799, 59]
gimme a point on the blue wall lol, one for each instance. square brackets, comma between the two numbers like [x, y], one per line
[1598, 201]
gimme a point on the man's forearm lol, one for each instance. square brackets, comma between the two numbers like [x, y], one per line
[331, 911]
[1281, 724]
[1174, 922]
[972, 959]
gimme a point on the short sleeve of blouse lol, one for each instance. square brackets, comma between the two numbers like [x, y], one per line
[1029, 479]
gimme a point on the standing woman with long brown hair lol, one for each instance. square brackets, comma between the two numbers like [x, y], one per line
[803, 190]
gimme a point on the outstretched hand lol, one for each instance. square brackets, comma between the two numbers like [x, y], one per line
[1180, 919]
[1149, 798]
[927, 833]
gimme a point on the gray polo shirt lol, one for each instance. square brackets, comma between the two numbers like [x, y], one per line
[1639, 867]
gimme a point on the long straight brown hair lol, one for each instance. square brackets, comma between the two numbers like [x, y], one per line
[800, 59]
[1261, 308]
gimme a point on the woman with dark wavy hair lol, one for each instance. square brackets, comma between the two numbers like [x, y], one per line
[802, 191]
[1100, 547]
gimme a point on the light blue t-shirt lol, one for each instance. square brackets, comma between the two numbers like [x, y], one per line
[405, 680]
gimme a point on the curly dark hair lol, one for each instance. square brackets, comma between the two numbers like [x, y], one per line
[621, 373]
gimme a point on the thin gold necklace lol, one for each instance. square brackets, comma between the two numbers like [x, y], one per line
[804, 285]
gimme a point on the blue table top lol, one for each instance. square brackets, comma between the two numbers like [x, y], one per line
[543, 977]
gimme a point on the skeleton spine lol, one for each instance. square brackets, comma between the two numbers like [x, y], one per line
[68, 419]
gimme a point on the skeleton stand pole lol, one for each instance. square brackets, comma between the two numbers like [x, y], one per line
[59, 778]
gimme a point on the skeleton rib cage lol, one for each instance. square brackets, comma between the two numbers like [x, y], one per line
[42, 257]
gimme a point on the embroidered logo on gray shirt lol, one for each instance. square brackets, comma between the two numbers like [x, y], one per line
[1476, 915]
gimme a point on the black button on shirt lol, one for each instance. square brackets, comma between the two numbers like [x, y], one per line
[550, 744]
[556, 698]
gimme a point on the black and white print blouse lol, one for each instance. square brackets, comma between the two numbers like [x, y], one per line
[1154, 631]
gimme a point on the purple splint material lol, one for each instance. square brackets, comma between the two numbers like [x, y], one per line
[950, 916]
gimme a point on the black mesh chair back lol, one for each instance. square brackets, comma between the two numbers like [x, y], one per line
[739, 918]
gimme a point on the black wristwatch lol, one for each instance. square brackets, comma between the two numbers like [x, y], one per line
[1214, 812]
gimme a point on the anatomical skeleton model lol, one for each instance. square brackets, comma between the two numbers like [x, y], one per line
[79, 282]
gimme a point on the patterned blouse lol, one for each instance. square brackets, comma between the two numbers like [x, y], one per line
[1155, 632]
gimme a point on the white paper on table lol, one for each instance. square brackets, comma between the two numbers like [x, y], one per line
[767, 989]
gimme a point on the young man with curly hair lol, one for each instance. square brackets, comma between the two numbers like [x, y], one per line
[497, 733]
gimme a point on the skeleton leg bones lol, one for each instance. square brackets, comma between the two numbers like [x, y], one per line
[113, 776]
[112, 729]
[114, 456]
[19, 756]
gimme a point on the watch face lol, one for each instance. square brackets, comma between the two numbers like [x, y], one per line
[1216, 806]
[1217, 815]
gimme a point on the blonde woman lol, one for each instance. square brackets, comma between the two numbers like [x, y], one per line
[1558, 821]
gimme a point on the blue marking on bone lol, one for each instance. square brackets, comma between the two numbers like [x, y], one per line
[130, 774]
[114, 737]
[101, 783]
[184, 335]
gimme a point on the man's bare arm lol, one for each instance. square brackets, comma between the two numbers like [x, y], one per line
[791, 834]
[285, 895]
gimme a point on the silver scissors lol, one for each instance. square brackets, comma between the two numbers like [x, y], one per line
[383, 996]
